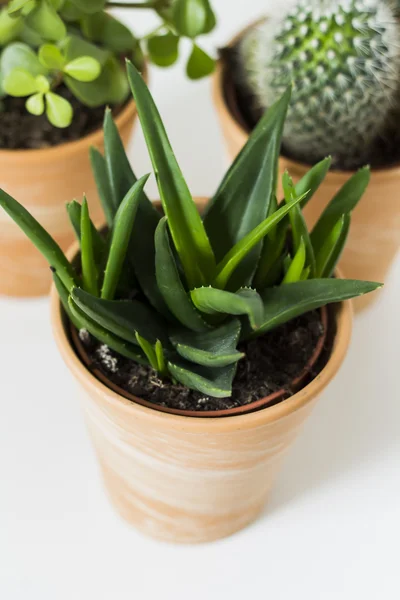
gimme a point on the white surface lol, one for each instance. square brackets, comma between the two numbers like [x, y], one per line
[332, 526]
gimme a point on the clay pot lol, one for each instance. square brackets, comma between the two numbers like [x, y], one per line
[375, 229]
[184, 478]
[44, 181]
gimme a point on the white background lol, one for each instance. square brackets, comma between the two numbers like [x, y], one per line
[332, 527]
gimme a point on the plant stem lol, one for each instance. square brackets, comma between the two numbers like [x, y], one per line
[149, 4]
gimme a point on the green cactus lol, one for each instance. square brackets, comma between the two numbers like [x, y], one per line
[343, 59]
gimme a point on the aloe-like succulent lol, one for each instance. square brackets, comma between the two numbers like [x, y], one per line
[343, 57]
[44, 43]
[179, 291]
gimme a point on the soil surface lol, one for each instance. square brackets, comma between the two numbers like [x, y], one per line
[20, 130]
[271, 363]
[384, 153]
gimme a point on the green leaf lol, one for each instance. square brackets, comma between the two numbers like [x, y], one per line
[10, 27]
[295, 270]
[64, 296]
[20, 56]
[122, 317]
[103, 29]
[122, 229]
[332, 247]
[89, 269]
[42, 84]
[161, 362]
[243, 199]
[211, 20]
[163, 49]
[344, 202]
[84, 68]
[339, 247]
[149, 351]
[271, 256]
[244, 302]
[74, 210]
[16, 5]
[110, 87]
[46, 22]
[233, 258]
[281, 304]
[191, 17]
[215, 348]
[200, 64]
[99, 169]
[214, 382]
[105, 337]
[89, 6]
[299, 229]
[74, 47]
[19, 83]
[311, 181]
[186, 226]
[121, 178]
[51, 57]
[40, 238]
[170, 284]
[58, 110]
[35, 104]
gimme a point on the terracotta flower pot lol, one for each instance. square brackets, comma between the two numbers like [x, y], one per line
[183, 478]
[43, 181]
[374, 236]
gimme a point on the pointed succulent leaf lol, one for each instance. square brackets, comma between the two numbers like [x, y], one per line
[242, 200]
[89, 269]
[234, 257]
[296, 267]
[328, 246]
[271, 256]
[186, 226]
[160, 356]
[105, 336]
[289, 301]
[100, 173]
[338, 248]
[299, 229]
[40, 238]
[148, 350]
[170, 284]
[244, 302]
[216, 348]
[74, 210]
[122, 230]
[344, 202]
[64, 296]
[311, 181]
[214, 382]
[123, 317]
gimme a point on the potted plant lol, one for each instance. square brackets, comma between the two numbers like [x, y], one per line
[343, 59]
[202, 342]
[61, 62]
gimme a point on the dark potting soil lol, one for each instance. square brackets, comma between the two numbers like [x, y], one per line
[384, 153]
[20, 130]
[271, 363]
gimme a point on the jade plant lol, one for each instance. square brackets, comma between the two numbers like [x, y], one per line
[179, 291]
[44, 43]
[343, 58]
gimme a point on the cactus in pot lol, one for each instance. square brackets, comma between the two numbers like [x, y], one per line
[343, 58]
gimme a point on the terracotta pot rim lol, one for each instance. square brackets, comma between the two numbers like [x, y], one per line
[245, 408]
[91, 139]
[197, 423]
[219, 82]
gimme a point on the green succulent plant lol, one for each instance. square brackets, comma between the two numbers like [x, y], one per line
[343, 58]
[179, 291]
[44, 43]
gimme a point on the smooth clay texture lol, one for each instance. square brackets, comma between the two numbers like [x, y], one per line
[44, 181]
[188, 479]
[374, 236]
